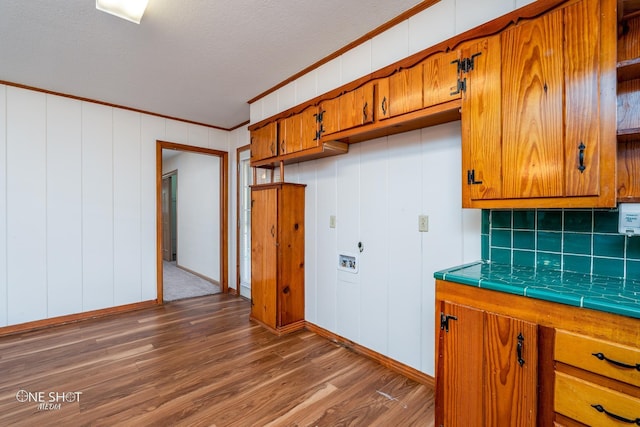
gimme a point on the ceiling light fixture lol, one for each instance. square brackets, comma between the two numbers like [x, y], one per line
[131, 10]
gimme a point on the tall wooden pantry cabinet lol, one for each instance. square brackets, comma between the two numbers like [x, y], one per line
[277, 256]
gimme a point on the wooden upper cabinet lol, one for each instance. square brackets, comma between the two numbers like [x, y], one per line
[537, 112]
[441, 77]
[356, 107]
[349, 110]
[264, 142]
[299, 131]
[330, 116]
[405, 91]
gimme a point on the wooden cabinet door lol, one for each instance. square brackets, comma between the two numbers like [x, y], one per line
[309, 126]
[264, 142]
[263, 254]
[405, 91]
[382, 99]
[510, 371]
[459, 367]
[290, 134]
[482, 123]
[330, 116]
[582, 98]
[532, 108]
[356, 107]
[440, 74]
[290, 247]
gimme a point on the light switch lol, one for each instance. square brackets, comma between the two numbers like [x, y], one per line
[423, 223]
[332, 221]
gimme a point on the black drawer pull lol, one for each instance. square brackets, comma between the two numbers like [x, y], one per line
[601, 409]
[601, 356]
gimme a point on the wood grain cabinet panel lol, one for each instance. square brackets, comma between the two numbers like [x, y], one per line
[277, 256]
[405, 91]
[356, 107]
[487, 368]
[264, 142]
[299, 131]
[441, 76]
[544, 118]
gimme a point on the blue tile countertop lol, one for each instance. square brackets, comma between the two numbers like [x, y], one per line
[608, 294]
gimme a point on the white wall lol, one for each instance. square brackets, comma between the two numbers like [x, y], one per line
[78, 203]
[377, 192]
[198, 212]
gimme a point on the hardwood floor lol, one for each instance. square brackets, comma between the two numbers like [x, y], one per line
[197, 362]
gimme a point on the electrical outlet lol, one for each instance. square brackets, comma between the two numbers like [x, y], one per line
[332, 221]
[423, 223]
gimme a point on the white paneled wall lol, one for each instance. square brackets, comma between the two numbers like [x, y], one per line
[26, 204]
[3, 208]
[78, 203]
[64, 206]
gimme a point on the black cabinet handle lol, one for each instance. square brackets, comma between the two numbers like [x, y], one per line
[519, 348]
[273, 231]
[581, 149]
[601, 356]
[601, 409]
[364, 112]
[384, 106]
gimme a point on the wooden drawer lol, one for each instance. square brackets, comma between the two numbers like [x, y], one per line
[578, 399]
[591, 354]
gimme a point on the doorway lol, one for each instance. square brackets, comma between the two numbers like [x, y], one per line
[243, 241]
[169, 216]
[194, 222]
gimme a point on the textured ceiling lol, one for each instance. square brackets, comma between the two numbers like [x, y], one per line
[198, 60]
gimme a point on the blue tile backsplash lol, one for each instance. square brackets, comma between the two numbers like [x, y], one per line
[576, 240]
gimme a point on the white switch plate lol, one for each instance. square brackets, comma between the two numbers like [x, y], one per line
[423, 223]
[332, 221]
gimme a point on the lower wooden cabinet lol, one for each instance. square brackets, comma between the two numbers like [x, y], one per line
[277, 256]
[509, 360]
[487, 368]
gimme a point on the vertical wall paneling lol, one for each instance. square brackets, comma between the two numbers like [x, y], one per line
[97, 207]
[26, 205]
[329, 75]
[3, 206]
[306, 87]
[471, 13]
[311, 226]
[153, 129]
[374, 226]
[177, 131]
[126, 207]
[270, 105]
[287, 96]
[255, 111]
[64, 206]
[326, 243]
[432, 25]
[356, 62]
[390, 46]
[221, 140]
[348, 211]
[405, 286]
[442, 245]
[198, 136]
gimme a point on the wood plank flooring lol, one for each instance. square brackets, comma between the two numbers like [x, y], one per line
[197, 362]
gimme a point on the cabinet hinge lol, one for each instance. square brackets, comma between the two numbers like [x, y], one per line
[444, 321]
[462, 86]
[466, 64]
[319, 116]
[471, 177]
